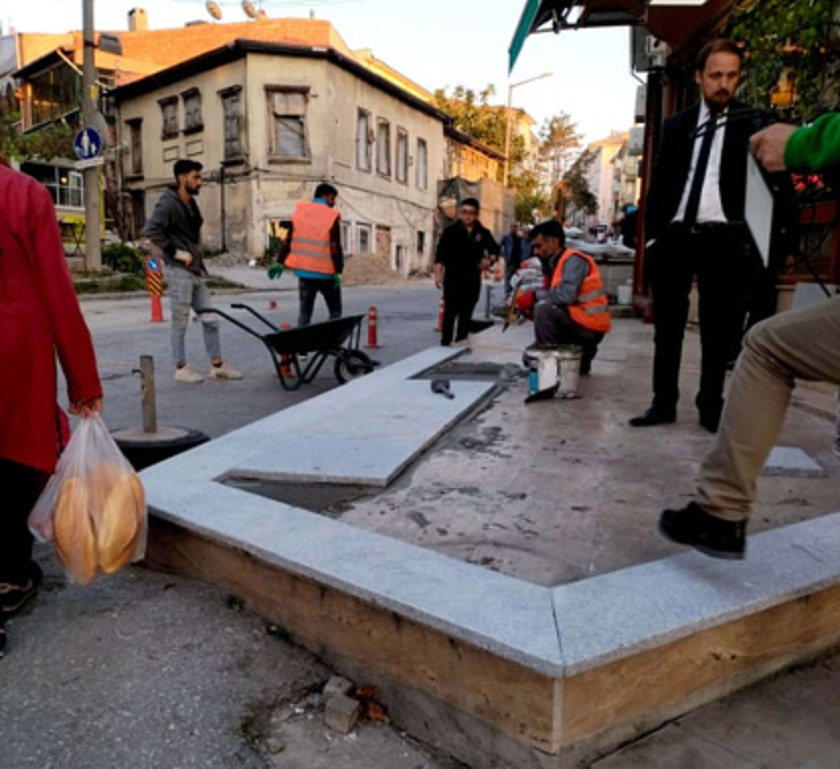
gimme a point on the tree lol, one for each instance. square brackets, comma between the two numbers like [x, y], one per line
[579, 197]
[560, 140]
[791, 60]
[529, 197]
[473, 114]
[53, 141]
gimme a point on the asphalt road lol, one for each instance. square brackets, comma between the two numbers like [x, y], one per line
[151, 671]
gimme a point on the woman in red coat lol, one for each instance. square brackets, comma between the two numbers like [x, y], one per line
[39, 318]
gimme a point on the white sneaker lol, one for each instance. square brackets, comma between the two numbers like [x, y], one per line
[188, 375]
[224, 372]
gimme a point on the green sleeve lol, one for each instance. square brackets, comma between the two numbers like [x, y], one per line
[815, 147]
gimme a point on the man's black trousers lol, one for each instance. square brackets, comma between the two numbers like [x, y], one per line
[308, 290]
[459, 301]
[724, 264]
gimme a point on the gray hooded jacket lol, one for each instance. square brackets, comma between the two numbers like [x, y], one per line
[176, 226]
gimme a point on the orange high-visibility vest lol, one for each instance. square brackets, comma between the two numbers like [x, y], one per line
[591, 310]
[312, 224]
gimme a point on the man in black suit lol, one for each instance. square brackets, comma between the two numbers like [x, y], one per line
[694, 226]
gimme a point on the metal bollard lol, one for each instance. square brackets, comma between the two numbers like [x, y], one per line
[147, 390]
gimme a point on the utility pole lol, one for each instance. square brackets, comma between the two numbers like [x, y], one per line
[93, 253]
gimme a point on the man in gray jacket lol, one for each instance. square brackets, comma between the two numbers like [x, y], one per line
[175, 229]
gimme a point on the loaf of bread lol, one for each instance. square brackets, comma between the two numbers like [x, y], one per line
[120, 522]
[75, 540]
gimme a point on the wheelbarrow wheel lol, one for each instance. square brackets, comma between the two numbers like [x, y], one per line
[350, 364]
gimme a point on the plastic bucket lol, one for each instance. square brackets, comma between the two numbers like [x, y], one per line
[625, 295]
[543, 370]
[568, 370]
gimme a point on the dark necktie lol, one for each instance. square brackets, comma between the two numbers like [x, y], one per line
[693, 204]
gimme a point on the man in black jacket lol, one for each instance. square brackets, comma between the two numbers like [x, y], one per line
[175, 228]
[694, 226]
[462, 255]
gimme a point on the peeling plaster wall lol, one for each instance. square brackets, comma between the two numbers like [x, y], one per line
[263, 190]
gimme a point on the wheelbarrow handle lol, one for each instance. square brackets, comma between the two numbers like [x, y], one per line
[231, 319]
[240, 306]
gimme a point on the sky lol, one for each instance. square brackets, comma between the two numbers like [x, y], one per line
[436, 43]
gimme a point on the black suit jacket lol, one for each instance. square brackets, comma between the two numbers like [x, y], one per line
[673, 163]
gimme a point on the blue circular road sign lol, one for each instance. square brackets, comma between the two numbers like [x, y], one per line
[88, 143]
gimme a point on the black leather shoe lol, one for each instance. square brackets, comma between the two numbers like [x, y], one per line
[654, 416]
[714, 537]
[710, 420]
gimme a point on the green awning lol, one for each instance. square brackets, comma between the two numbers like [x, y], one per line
[557, 15]
[523, 29]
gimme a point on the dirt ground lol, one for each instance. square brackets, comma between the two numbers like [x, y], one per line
[367, 269]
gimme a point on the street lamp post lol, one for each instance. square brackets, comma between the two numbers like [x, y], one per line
[507, 118]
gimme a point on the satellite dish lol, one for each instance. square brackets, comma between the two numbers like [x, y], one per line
[214, 10]
[249, 8]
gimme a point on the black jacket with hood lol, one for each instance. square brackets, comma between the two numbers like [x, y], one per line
[176, 226]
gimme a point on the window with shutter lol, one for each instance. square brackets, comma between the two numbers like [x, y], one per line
[193, 121]
[288, 108]
[383, 148]
[231, 107]
[363, 140]
[402, 156]
[169, 112]
[422, 165]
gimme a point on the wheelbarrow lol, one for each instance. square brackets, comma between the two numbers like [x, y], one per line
[307, 349]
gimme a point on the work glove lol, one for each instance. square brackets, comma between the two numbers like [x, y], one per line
[526, 302]
[275, 271]
[337, 280]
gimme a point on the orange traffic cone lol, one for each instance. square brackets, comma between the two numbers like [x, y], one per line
[372, 331]
[439, 326]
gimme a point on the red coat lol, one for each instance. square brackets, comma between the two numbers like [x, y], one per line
[39, 317]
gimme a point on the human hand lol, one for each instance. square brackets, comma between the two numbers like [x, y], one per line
[483, 264]
[86, 409]
[184, 256]
[768, 145]
[275, 271]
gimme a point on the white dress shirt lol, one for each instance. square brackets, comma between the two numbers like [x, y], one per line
[711, 208]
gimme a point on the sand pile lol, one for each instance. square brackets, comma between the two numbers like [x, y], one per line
[367, 269]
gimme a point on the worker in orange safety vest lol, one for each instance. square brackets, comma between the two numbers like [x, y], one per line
[573, 307]
[312, 249]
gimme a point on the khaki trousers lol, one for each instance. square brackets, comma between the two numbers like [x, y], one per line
[801, 344]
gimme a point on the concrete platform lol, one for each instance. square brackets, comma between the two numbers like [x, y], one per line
[494, 668]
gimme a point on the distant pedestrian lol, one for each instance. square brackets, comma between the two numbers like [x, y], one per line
[313, 250]
[628, 226]
[175, 228]
[40, 320]
[511, 245]
[463, 254]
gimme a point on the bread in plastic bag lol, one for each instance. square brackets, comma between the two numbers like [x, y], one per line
[94, 507]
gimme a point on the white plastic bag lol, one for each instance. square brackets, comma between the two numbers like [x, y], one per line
[94, 507]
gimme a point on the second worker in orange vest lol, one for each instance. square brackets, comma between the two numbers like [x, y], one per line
[574, 307]
[313, 250]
